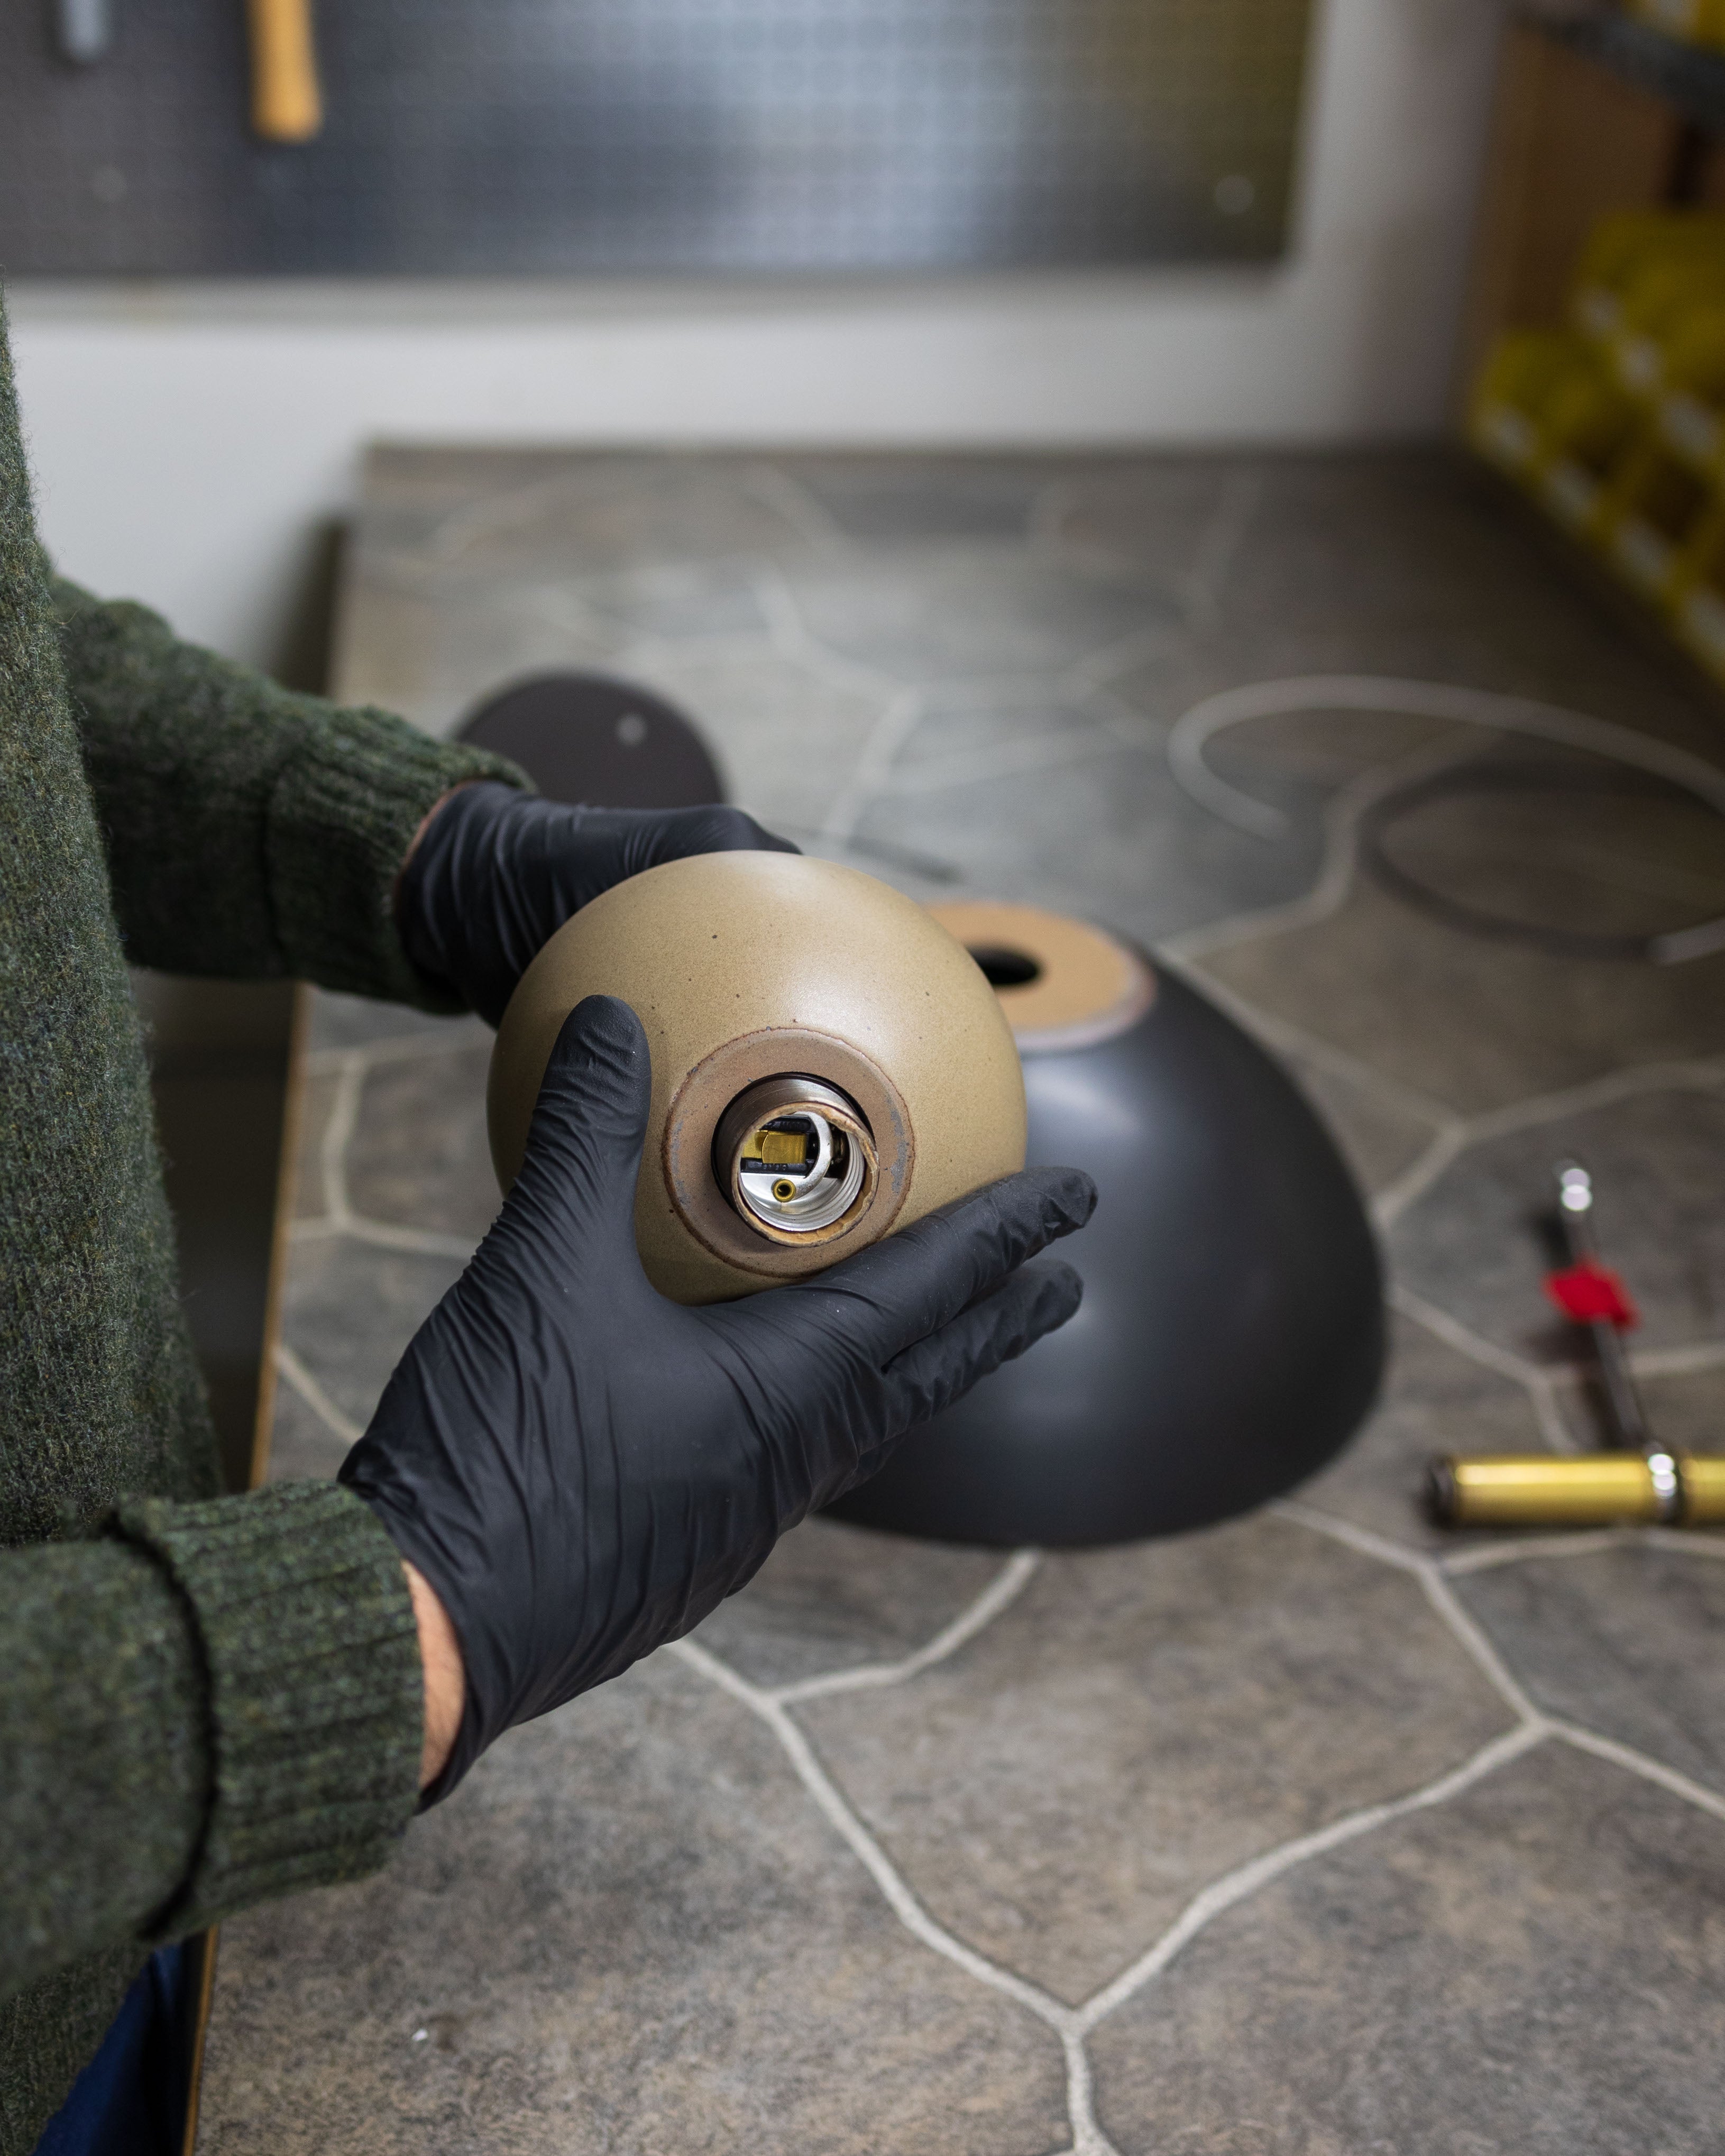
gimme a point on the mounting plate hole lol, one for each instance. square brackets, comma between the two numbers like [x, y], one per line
[1004, 968]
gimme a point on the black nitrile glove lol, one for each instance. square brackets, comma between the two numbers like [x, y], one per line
[498, 872]
[583, 1470]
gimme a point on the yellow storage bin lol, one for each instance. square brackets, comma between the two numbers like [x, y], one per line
[1652, 513]
[1514, 390]
[1653, 311]
[1691, 409]
[1697, 606]
[1615, 427]
[1625, 247]
[1589, 422]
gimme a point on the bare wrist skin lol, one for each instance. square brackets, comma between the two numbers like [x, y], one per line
[445, 1678]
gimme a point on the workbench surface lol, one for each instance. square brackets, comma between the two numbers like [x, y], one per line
[1317, 1832]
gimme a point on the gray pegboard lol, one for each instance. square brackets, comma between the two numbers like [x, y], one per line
[503, 136]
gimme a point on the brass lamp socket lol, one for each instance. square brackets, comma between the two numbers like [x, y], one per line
[1598, 1490]
[796, 1159]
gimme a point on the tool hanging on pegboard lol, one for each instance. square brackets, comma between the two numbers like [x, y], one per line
[84, 29]
[287, 105]
[1638, 1478]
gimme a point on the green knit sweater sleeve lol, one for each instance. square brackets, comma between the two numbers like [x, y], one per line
[250, 832]
[205, 1705]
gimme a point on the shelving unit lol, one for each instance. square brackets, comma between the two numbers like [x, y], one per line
[1613, 424]
[1688, 77]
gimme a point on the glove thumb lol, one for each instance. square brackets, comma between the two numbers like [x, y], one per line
[583, 1152]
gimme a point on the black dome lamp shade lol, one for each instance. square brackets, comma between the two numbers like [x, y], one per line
[1231, 1337]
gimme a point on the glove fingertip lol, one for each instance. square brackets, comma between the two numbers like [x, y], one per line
[1068, 1197]
[606, 1025]
[596, 1089]
[1060, 1292]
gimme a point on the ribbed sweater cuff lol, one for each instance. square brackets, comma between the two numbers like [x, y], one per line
[341, 817]
[315, 1697]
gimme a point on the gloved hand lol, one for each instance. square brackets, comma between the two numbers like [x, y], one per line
[583, 1470]
[497, 872]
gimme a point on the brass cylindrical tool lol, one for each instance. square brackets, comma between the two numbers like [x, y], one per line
[1640, 1480]
[1599, 1490]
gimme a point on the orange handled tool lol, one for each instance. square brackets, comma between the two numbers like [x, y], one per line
[286, 104]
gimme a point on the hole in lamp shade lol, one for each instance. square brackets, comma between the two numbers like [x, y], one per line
[1005, 969]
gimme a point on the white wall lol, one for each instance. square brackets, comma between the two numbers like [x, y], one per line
[188, 440]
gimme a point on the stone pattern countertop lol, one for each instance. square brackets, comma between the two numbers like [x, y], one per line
[1317, 1832]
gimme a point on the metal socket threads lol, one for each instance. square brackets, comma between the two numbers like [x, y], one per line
[796, 1159]
[1597, 1490]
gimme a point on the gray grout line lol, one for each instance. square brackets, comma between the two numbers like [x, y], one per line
[1478, 1646]
[1428, 1569]
[450, 537]
[1088, 2138]
[1005, 760]
[350, 1066]
[337, 1134]
[394, 1048]
[894, 1889]
[794, 641]
[1675, 1363]
[301, 1381]
[771, 1708]
[1694, 1074]
[1445, 1148]
[1098, 669]
[1528, 1549]
[1689, 1543]
[1367, 1542]
[1334, 885]
[1635, 1762]
[1225, 532]
[1246, 1879]
[872, 768]
[1537, 1384]
[1533, 1720]
[383, 1235]
[1282, 1033]
[412, 1242]
[1010, 1582]
[804, 510]
[1073, 2025]
[1047, 542]
[1126, 725]
[1462, 1133]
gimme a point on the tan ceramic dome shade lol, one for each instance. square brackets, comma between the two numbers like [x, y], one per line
[829, 1063]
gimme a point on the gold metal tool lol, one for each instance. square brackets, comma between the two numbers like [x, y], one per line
[1640, 1479]
[287, 105]
[1601, 1489]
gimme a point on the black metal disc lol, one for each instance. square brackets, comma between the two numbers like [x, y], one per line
[595, 738]
[1231, 1337]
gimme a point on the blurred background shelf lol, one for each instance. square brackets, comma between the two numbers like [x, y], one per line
[1685, 72]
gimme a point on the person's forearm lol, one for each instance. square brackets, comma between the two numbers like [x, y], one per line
[445, 1679]
[249, 832]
